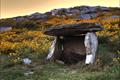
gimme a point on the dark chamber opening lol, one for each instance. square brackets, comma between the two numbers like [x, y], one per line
[74, 50]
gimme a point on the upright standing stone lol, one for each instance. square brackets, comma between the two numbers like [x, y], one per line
[91, 44]
[51, 49]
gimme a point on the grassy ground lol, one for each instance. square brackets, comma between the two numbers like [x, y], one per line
[53, 71]
[40, 69]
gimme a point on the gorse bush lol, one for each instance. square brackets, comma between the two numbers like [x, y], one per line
[24, 44]
[111, 35]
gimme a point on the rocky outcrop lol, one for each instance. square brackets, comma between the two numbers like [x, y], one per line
[84, 12]
[87, 16]
[37, 16]
[5, 28]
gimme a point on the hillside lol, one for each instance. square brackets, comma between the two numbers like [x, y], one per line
[62, 16]
[22, 37]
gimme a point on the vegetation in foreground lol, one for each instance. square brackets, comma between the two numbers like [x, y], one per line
[19, 44]
[105, 68]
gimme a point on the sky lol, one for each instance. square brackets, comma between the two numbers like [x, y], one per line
[12, 8]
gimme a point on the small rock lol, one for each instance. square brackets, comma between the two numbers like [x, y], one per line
[27, 61]
[28, 73]
[111, 17]
[85, 16]
[104, 9]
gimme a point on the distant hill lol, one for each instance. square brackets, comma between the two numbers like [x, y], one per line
[62, 16]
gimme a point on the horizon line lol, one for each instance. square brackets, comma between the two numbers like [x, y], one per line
[55, 8]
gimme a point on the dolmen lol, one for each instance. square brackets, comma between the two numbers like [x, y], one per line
[73, 42]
